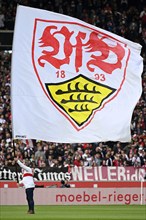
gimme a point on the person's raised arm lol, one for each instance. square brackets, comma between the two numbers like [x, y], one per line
[23, 166]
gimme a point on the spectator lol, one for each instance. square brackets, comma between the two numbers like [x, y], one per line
[77, 161]
[143, 17]
[2, 19]
[39, 154]
[116, 161]
[64, 184]
[108, 159]
[136, 162]
[97, 159]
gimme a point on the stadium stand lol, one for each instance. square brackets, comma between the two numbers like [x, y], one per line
[125, 18]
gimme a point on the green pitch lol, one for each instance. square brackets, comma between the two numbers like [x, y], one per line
[105, 212]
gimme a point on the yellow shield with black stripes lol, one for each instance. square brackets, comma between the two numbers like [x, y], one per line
[79, 97]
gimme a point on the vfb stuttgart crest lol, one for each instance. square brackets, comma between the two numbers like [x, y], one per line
[79, 68]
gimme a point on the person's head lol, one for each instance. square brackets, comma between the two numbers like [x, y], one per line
[59, 158]
[62, 182]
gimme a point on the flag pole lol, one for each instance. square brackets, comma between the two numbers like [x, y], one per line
[14, 149]
[141, 191]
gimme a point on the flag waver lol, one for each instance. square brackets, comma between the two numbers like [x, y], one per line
[71, 81]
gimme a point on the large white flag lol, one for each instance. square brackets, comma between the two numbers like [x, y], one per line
[71, 81]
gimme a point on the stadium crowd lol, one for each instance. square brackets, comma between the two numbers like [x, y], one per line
[125, 18]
